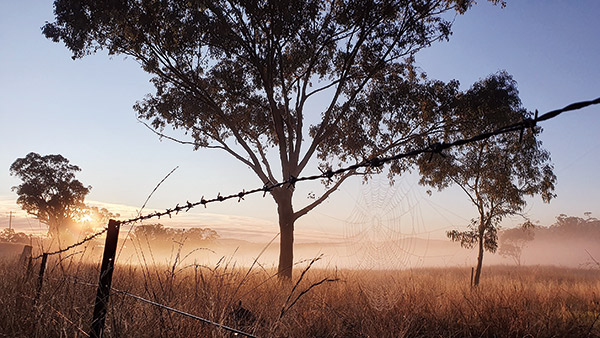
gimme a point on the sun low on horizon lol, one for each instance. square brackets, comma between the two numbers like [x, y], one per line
[300, 168]
[83, 111]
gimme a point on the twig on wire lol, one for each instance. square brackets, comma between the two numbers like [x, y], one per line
[145, 202]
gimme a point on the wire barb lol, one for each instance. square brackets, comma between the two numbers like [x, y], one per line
[87, 239]
[436, 147]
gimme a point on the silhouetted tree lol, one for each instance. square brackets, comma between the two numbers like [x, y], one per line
[49, 190]
[496, 173]
[512, 241]
[289, 78]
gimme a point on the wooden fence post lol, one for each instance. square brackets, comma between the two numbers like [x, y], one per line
[25, 255]
[41, 277]
[472, 272]
[106, 271]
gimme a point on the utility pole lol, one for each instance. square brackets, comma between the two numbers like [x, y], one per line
[10, 220]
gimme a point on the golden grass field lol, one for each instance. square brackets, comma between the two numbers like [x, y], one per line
[436, 302]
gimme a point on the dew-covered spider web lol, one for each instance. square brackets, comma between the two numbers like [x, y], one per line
[381, 233]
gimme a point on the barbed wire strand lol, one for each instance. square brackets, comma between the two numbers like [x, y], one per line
[438, 147]
[86, 239]
[528, 123]
[168, 308]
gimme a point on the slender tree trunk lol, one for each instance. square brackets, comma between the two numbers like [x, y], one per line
[283, 198]
[479, 260]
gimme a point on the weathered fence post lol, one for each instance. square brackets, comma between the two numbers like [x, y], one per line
[106, 271]
[41, 277]
[472, 272]
[25, 255]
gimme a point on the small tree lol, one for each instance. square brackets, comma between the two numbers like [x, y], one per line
[495, 173]
[49, 190]
[512, 241]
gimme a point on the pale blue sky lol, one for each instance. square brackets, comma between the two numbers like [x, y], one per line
[83, 110]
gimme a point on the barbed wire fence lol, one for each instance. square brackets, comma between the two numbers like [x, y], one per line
[112, 230]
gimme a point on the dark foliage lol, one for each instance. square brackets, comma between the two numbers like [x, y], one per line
[49, 190]
[294, 79]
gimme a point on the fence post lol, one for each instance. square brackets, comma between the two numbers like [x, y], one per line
[41, 277]
[106, 271]
[472, 272]
[25, 255]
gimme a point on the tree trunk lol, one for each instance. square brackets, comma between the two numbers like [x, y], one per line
[283, 198]
[479, 260]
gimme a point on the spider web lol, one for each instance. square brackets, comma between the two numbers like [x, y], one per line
[381, 234]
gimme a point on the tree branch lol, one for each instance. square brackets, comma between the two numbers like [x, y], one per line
[161, 135]
[320, 200]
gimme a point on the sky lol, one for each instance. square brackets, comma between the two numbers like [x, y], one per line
[82, 109]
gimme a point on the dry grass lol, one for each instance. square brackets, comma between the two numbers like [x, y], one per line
[510, 302]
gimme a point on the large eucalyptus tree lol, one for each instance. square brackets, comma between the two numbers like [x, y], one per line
[244, 76]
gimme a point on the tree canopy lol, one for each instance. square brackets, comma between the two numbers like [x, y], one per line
[496, 173]
[49, 190]
[287, 79]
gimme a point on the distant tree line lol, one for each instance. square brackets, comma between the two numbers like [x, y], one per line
[9, 235]
[567, 227]
[513, 241]
[154, 233]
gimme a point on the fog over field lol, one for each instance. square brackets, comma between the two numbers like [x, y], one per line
[408, 253]
[422, 253]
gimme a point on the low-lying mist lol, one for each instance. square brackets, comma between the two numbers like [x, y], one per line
[408, 254]
[570, 242]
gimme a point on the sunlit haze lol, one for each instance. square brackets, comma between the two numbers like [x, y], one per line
[82, 109]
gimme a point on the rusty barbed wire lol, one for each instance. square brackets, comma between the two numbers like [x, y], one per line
[438, 147]
[86, 239]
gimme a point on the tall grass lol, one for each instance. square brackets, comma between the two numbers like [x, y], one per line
[510, 302]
